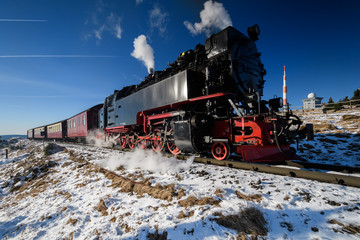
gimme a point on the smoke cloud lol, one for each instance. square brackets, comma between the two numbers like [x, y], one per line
[146, 160]
[143, 52]
[214, 17]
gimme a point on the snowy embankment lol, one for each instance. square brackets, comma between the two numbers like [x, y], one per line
[69, 194]
[337, 138]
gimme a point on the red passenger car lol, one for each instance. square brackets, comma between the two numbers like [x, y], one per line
[79, 125]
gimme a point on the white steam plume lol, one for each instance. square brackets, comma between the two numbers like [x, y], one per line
[97, 138]
[214, 17]
[145, 160]
[143, 52]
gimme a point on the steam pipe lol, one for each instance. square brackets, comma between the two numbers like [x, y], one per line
[278, 143]
[258, 100]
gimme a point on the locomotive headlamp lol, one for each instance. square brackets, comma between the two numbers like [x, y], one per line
[254, 32]
[275, 104]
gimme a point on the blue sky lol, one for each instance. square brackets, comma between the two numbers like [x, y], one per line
[60, 57]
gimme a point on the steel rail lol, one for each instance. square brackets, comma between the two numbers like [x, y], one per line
[284, 171]
[322, 166]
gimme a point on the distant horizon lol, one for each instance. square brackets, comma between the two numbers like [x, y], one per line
[6, 136]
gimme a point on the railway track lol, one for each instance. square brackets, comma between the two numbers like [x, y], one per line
[292, 169]
[298, 169]
[321, 166]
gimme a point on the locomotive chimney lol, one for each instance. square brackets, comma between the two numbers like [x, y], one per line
[285, 104]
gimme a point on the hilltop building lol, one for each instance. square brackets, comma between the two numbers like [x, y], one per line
[311, 102]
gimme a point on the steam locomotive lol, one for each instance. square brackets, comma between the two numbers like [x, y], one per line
[207, 101]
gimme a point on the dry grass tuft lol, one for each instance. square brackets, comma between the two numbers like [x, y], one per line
[72, 221]
[32, 181]
[350, 117]
[181, 193]
[287, 198]
[52, 148]
[350, 229]
[75, 157]
[192, 201]
[166, 192]
[80, 185]
[186, 215]
[253, 197]
[126, 227]
[178, 177]
[157, 235]
[101, 207]
[37, 170]
[219, 192]
[249, 221]
[65, 164]
[322, 127]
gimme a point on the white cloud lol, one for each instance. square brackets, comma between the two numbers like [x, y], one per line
[100, 5]
[118, 31]
[139, 1]
[143, 52]
[158, 19]
[113, 23]
[214, 17]
[98, 32]
[103, 22]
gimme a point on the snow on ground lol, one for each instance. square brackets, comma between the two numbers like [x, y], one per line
[336, 139]
[67, 195]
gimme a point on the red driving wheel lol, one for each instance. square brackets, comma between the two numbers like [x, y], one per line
[220, 150]
[158, 145]
[123, 142]
[144, 144]
[132, 142]
[172, 148]
[171, 145]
